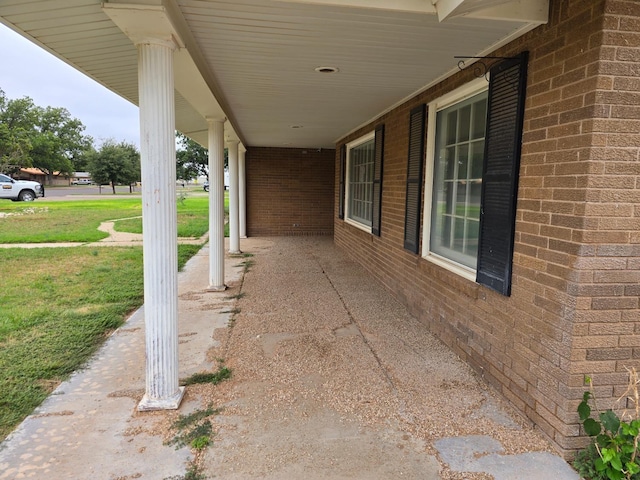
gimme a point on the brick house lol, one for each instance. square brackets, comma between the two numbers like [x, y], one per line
[500, 205]
[563, 301]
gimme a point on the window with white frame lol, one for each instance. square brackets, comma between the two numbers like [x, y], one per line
[474, 141]
[360, 175]
[455, 156]
[457, 180]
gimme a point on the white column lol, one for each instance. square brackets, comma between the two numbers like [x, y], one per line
[159, 223]
[216, 205]
[242, 191]
[234, 230]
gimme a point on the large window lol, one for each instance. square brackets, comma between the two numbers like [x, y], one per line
[474, 139]
[457, 180]
[360, 173]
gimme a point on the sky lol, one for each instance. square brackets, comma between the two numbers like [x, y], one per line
[26, 70]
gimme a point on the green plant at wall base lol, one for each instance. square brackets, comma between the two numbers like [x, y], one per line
[615, 438]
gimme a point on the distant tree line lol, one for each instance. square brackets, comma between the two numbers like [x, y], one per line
[51, 140]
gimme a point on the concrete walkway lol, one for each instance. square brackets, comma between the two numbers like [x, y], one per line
[332, 379]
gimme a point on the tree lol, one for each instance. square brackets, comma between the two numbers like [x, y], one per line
[192, 159]
[17, 121]
[58, 141]
[45, 138]
[115, 163]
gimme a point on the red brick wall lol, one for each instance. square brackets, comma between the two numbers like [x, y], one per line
[574, 305]
[289, 191]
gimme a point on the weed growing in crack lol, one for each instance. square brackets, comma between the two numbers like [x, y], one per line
[194, 472]
[237, 296]
[241, 255]
[233, 311]
[215, 378]
[194, 429]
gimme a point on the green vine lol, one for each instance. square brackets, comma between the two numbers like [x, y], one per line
[614, 439]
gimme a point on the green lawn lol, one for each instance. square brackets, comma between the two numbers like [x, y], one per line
[58, 304]
[77, 221]
[193, 218]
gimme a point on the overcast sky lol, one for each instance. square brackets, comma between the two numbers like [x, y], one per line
[27, 70]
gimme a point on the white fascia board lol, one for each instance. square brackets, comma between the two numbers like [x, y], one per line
[413, 6]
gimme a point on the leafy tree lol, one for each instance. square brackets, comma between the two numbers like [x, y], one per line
[45, 138]
[58, 141]
[192, 159]
[17, 121]
[115, 163]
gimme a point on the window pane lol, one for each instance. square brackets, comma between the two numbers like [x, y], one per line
[463, 123]
[476, 158]
[451, 127]
[457, 178]
[463, 161]
[361, 163]
[479, 119]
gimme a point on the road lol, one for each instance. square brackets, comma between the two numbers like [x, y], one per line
[82, 190]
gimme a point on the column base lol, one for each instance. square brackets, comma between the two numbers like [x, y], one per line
[236, 252]
[172, 403]
[213, 288]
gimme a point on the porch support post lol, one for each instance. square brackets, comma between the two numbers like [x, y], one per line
[242, 189]
[159, 220]
[216, 205]
[234, 230]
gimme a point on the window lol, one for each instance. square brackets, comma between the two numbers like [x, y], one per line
[474, 138]
[457, 180]
[361, 164]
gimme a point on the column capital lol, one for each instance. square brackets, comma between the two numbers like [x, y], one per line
[212, 120]
[144, 24]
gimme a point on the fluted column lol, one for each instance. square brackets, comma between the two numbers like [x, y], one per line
[159, 223]
[234, 230]
[216, 205]
[242, 189]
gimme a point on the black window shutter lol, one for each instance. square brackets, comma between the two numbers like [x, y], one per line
[503, 142]
[343, 166]
[413, 204]
[377, 180]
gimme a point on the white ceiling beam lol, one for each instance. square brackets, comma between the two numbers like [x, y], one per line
[413, 6]
[529, 11]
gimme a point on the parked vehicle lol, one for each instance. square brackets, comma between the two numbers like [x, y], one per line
[82, 181]
[20, 190]
[206, 186]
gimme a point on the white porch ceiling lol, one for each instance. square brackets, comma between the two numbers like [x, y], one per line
[253, 61]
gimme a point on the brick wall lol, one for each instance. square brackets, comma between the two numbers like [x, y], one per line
[574, 304]
[289, 191]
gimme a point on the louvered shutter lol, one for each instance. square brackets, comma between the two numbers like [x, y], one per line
[503, 142]
[343, 166]
[415, 163]
[377, 180]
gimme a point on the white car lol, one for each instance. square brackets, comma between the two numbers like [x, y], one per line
[82, 181]
[20, 190]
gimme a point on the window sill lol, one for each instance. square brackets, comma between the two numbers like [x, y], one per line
[360, 226]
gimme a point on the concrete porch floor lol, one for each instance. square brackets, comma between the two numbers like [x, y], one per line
[332, 379]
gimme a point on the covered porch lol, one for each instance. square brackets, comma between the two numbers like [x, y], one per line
[331, 378]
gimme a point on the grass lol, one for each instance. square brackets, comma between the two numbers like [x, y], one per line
[77, 221]
[59, 304]
[193, 219]
[62, 221]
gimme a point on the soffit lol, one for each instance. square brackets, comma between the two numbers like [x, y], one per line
[258, 57]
